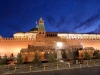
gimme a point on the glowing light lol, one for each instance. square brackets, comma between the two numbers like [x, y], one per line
[42, 52]
[59, 44]
[81, 43]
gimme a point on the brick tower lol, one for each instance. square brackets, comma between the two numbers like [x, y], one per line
[41, 30]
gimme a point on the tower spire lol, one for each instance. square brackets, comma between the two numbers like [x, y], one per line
[41, 18]
[41, 26]
[41, 29]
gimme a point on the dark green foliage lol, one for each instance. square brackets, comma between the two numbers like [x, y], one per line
[96, 55]
[11, 56]
[3, 60]
[19, 58]
[36, 59]
[75, 52]
[46, 55]
[51, 58]
[70, 55]
[64, 55]
[87, 56]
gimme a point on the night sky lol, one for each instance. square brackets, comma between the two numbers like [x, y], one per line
[72, 16]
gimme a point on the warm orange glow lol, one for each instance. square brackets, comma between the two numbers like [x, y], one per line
[8, 47]
[42, 52]
[14, 46]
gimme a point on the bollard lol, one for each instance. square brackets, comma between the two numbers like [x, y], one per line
[44, 67]
[69, 65]
[57, 66]
[14, 69]
[30, 68]
[94, 63]
[80, 65]
[87, 64]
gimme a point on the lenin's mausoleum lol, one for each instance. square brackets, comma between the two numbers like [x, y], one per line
[37, 39]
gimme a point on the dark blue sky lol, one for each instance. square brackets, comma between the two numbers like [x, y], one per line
[75, 16]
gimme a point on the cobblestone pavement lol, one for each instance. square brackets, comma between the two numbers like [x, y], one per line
[77, 71]
[20, 69]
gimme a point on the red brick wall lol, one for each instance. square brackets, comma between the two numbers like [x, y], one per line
[88, 43]
[8, 47]
[14, 46]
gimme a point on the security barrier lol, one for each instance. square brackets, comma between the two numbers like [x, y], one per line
[44, 67]
[87, 64]
[94, 63]
[80, 66]
[49, 66]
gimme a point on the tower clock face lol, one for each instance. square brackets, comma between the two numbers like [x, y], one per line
[40, 21]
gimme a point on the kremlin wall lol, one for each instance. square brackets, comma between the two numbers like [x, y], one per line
[38, 36]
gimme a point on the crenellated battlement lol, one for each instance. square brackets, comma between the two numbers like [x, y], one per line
[79, 36]
[17, 39]
[53, 38]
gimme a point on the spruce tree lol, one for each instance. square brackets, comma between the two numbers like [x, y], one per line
[1, 61]
[19, 58]
[5, 59]
[96, 54]
[11, 56]
[51, 58]
[36, 59]
[87, 56]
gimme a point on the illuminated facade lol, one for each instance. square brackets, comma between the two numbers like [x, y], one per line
[39, 37]
[89, 50]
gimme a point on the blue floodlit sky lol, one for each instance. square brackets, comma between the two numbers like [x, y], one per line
[73, 16]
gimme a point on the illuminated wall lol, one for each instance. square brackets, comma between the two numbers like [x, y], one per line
[13, 46]
[87, 40]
